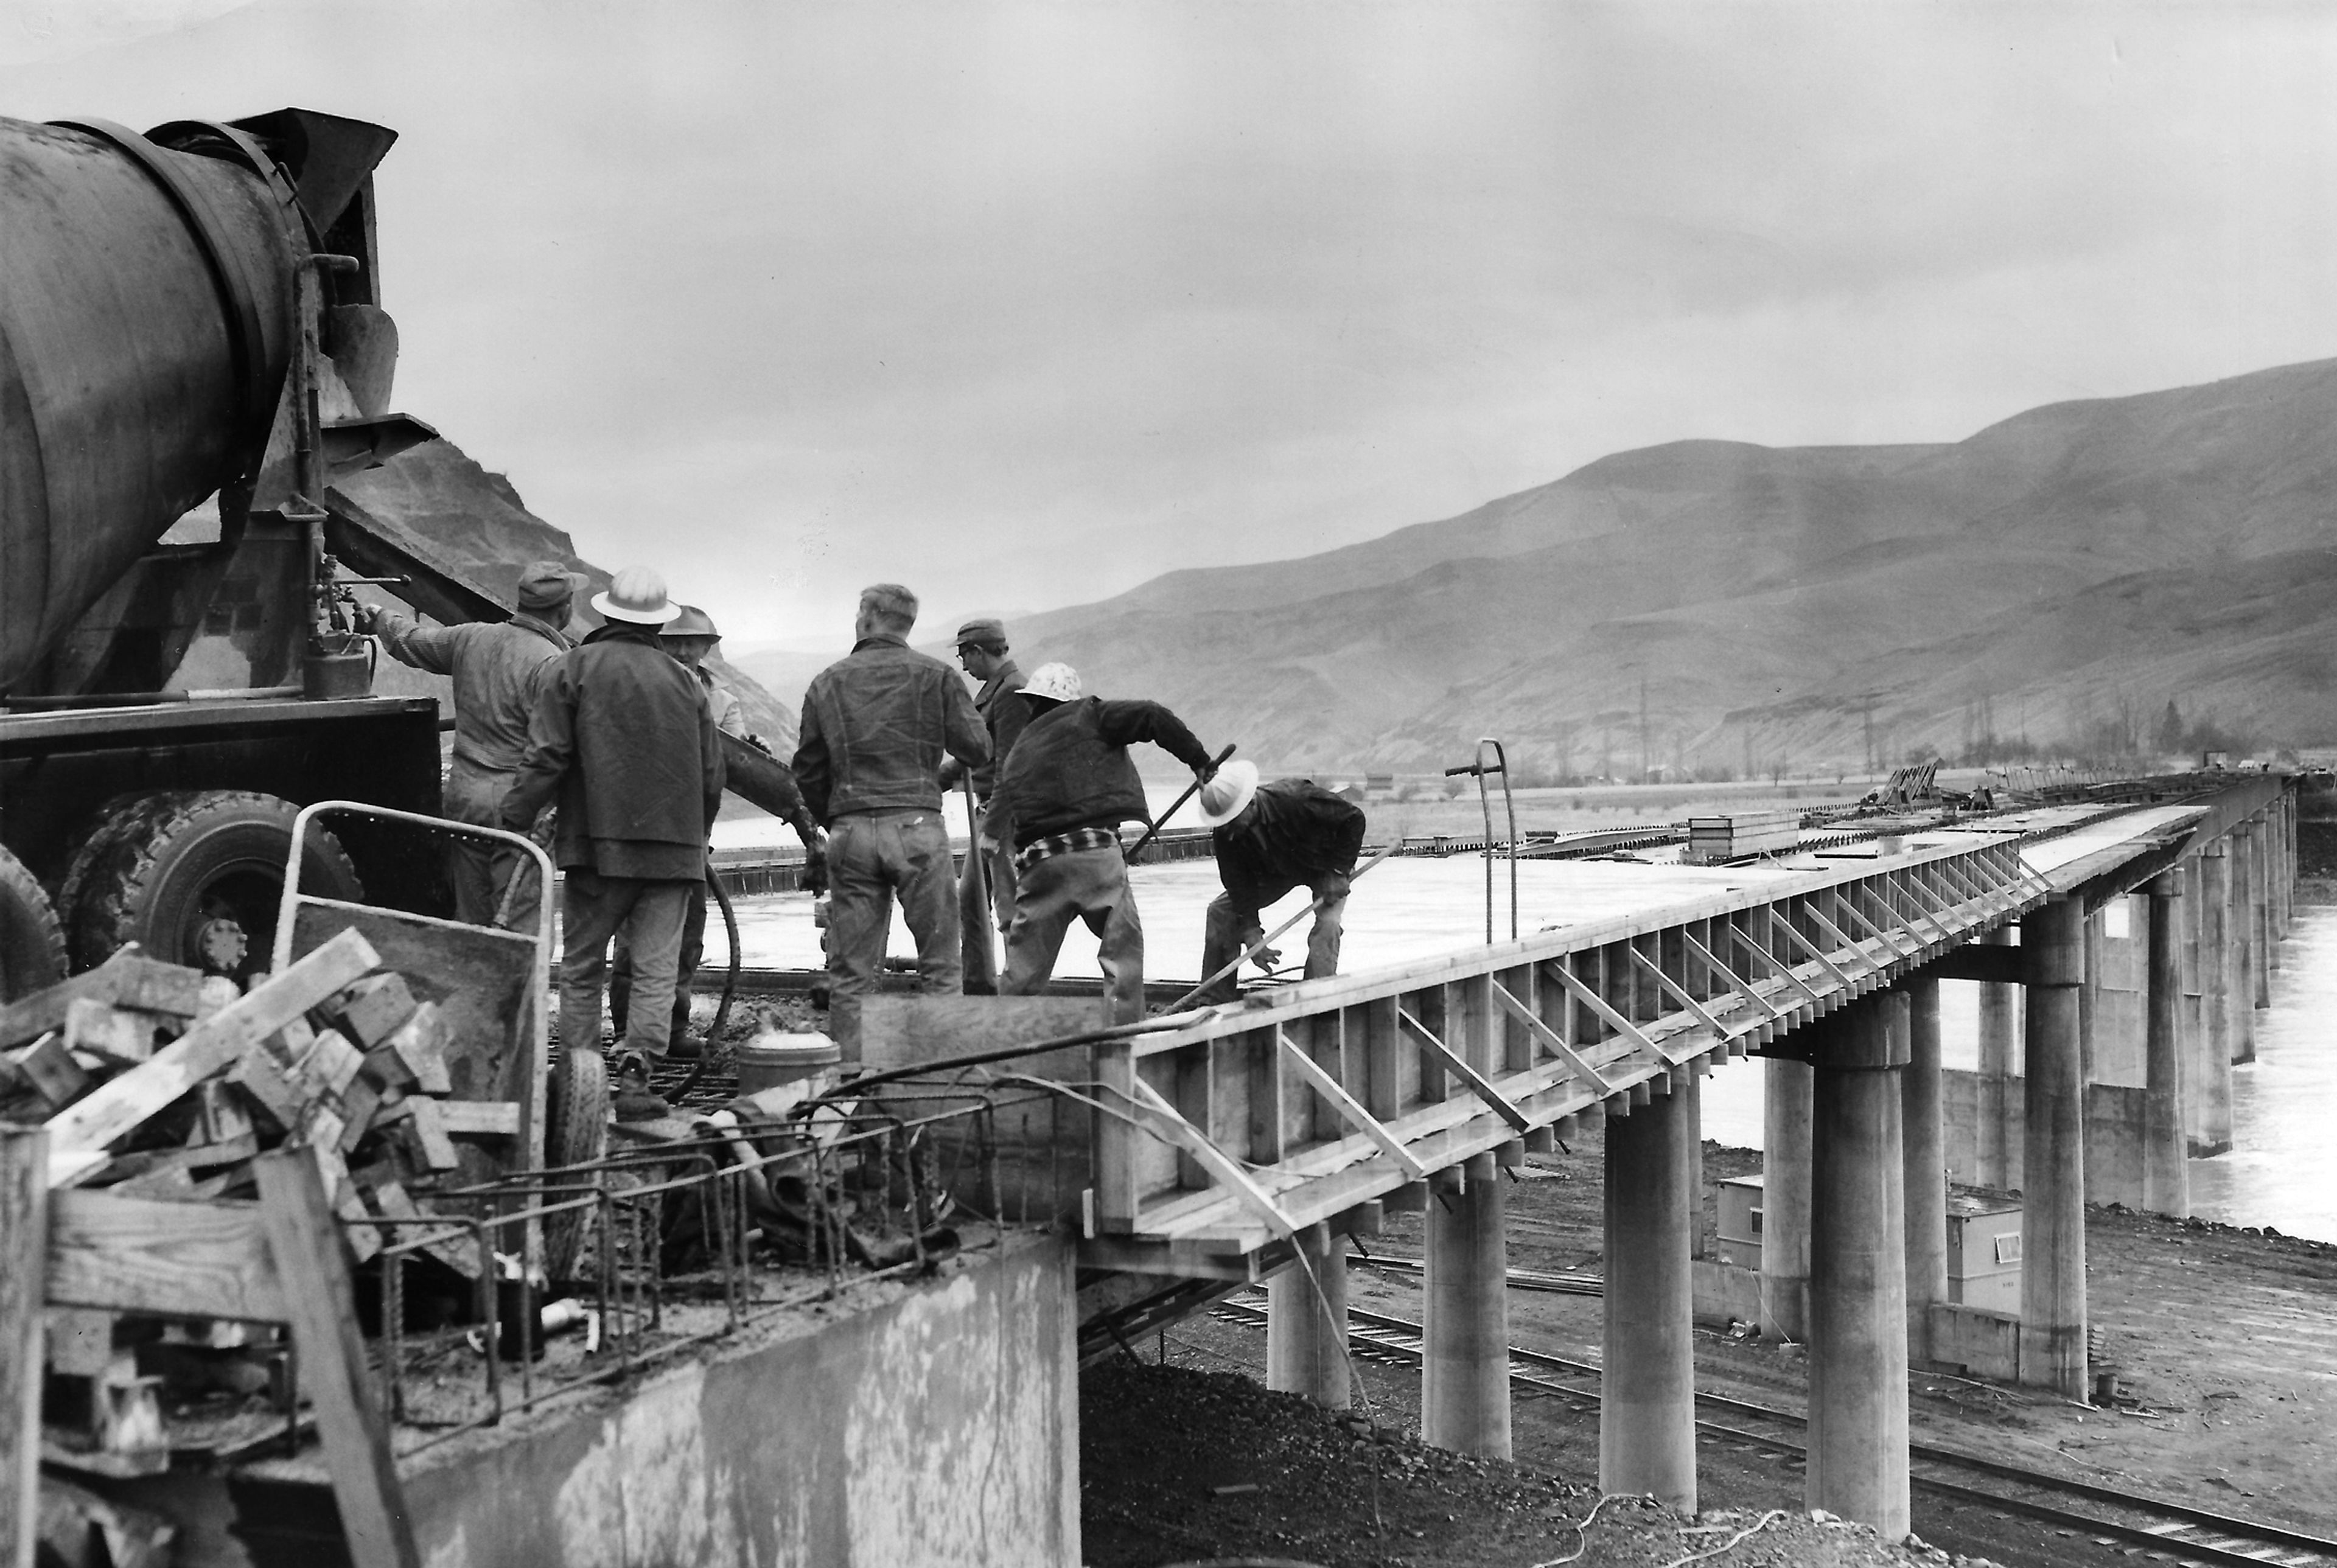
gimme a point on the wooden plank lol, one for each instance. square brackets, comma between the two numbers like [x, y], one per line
[313, 1260]
[1794, 935]
[1542, 1031]
[1346, 1106]
[429, 1131]
[1262, 1065]
[118, 1107]
[1478, 1083]
[1775, 964]
[479, 1118]
[1623, 1026]
[23, 1247]
[128, 978]
[1679, 993]
[151, 1255]
[1163, 1119]
[121, 1035]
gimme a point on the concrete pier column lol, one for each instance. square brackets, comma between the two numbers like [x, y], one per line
[1923, 1130]
[1466, 1387]
[2260, 915]
[1999, 1034]
[1785, 1199]
[2216, 997]
[2165, 1167]
[1306, 1322]
[2053, 1158]
[2239, 935]
[1858, 1281]
[1646, 1410]
[2090, 998]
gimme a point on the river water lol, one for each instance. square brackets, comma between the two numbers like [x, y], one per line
[2282, 1170]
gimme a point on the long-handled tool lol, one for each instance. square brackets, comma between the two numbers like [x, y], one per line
[1268, 940]
[1479, 769]
[981, 874]
[1175, 806]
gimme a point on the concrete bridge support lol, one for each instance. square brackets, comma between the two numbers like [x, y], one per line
[2215, 1000]
[1924, 1132]
[1306, 1322]
[1858, 1281]
[1465, 1391]
[1785, 1199]
[2240, 931]
[2165, 1170]
[1647, 1412]
[2053, 1246]
[1995, 1163]
[2260, 940]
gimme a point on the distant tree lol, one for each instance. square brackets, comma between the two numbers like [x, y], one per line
[2169, 736]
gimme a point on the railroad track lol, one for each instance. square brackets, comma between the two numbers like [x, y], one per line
[2173, 1531]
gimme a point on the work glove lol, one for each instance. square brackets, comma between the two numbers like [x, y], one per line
[815, 872]
[365, 618]
[761, 744]
[1268, 959]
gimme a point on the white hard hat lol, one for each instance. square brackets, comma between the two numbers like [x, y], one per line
[1227, 795]
[636, 595]
[1055, 682]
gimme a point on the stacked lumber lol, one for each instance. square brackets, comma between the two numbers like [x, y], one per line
[159, 1083]
[1711, 840]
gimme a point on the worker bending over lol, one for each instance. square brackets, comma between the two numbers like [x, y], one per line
[624, 733]
[498, 669]
[986, 890]
[1066, 787]
[1270, 839]
[875, 725]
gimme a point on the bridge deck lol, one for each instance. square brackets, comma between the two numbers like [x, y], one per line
[1215, 1141]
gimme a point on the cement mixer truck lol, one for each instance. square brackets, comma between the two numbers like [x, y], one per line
[191, 348]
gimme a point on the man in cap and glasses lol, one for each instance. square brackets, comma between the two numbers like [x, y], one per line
[622, 733]
[498, 668]
[986, 890]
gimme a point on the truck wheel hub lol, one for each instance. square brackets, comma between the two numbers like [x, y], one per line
[221, 945]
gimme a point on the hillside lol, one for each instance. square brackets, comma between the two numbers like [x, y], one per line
[478, 518]
[2068, 570]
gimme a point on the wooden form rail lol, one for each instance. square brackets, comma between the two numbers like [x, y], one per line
[1295, 1108]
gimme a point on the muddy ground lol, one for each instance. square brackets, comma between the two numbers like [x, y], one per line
[2223, 1341]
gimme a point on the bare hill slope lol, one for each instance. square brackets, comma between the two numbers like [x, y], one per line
[2072, 569]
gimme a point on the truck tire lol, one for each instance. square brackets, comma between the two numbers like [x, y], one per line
[125, 815]
[31, 943]
[193, 876]
[575, 1132]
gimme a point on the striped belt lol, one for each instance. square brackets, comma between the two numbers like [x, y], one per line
[1072, 843]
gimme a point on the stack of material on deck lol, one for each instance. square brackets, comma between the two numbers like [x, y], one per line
[157, 1083]
[1712, 840]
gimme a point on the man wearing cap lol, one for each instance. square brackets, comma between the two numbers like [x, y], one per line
[622, 732]
[986, 890]
[1066, 787]
[498, 667]
[875, 728]
[1270, 839]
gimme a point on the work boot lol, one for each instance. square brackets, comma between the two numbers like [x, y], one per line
[634, 1102]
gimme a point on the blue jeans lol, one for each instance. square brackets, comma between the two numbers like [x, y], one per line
[873, 857]
[1090, 885]
[649, 914]
[992, 873]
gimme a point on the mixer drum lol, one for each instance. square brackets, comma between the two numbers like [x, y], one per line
[146, 320]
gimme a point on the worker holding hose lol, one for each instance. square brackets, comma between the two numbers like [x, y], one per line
[1269, 839]
[1066, 787]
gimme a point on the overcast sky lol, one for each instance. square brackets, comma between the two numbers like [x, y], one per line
[1023, 304]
